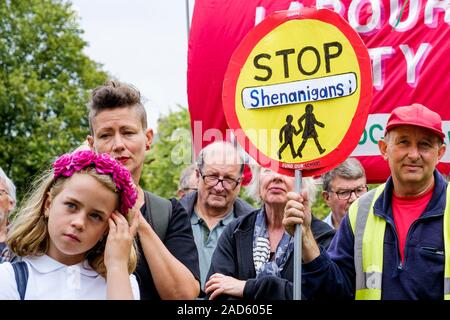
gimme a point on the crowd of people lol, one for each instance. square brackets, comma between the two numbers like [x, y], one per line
[89, 231]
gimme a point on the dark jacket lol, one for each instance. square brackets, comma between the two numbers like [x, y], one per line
[180, 243]
[420, 276]
[234, 257]
[240, 207]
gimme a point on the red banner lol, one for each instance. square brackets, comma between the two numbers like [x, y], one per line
[407, 41]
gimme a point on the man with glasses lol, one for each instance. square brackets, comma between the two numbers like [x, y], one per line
[341, 186]
[7, 204]
[215, 204]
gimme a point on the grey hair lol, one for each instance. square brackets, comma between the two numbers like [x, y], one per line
[185, 176]
[350, 169]
[10, 187]
[220, 146]
[252, 190]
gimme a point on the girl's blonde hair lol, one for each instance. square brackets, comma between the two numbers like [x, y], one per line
[29, 234]
[252, 190]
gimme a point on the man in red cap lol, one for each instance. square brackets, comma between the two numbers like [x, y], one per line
[395, 241]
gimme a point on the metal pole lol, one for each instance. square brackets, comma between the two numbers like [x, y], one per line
[188, 20]
[298, 246]
[188, 29]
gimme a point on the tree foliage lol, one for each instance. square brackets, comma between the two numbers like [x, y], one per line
[45, 80]
[320, 209]
[169, 155]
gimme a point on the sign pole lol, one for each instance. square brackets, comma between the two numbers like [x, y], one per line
[298, 245]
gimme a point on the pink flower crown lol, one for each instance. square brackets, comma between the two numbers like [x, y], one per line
[68, 163]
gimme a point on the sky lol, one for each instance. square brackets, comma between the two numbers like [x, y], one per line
[142, 42]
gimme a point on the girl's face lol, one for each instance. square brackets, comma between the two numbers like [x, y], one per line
[78, 217]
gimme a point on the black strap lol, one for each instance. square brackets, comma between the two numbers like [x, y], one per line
[21, 274]
[159, 211]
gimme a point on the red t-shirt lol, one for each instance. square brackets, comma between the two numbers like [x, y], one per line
[406, 210]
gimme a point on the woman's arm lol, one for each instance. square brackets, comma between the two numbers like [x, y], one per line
[173, 280]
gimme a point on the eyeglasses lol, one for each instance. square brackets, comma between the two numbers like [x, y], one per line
[189, 189]
[346, 194]
[213, 180]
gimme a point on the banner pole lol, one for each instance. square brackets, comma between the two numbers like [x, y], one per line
[298, 245]
[188, 20]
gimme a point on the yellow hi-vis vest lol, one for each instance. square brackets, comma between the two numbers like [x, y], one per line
[368, 230]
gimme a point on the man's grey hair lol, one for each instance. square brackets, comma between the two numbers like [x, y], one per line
[185, 177]
[350, 169]
[227, 149]
[252, 190]
[9, 185]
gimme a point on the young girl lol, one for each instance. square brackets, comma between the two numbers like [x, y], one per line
[73, 235]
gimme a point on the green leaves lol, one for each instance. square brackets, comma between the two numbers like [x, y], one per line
[45, 79]
[170, 153]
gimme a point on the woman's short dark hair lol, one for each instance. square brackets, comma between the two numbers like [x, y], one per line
[115, 94]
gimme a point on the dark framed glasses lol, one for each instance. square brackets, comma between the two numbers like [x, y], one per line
[346, 194]
[213, 180]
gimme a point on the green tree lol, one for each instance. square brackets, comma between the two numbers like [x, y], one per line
[320, 209]
[171, 152]
[45, 80]
[169, 155]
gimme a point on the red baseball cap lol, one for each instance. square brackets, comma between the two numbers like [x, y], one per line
[416, 115]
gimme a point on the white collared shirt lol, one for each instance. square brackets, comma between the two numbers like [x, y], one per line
[49, 279]
[329, 220]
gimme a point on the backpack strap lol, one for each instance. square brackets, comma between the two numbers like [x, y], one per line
[21, 275]
[159, 213]
[8, 256]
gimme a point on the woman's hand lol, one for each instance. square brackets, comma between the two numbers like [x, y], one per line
[220, 284]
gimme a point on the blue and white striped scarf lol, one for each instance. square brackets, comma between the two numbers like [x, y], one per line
[261, 249]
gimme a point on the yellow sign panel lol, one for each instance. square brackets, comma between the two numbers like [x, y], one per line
[313, 108]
